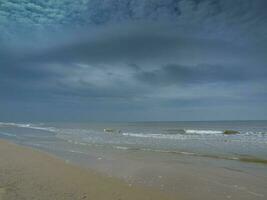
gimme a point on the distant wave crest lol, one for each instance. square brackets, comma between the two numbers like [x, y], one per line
[31, 126]
[179, 134]
[200, 132]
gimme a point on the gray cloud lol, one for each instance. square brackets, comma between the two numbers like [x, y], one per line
[105, 56]
[173, 74]
[213, 18]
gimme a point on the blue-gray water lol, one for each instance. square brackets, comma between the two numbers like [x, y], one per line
[188, 138]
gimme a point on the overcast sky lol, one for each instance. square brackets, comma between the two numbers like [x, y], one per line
[128, 60]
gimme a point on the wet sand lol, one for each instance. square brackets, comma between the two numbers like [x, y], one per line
[27, 174]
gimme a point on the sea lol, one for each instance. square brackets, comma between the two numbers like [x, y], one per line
[146, 152]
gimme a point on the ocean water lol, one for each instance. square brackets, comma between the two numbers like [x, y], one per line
[202, 139]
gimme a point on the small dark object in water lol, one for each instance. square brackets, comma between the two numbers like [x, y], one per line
[253, 160]
[230, 132]
[109, 130]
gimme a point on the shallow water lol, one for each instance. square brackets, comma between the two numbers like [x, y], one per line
[191, 138]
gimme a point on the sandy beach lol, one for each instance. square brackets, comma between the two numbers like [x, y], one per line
[30, 174]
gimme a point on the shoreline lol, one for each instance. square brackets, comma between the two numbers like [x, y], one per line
[150, 175]
[26, 173]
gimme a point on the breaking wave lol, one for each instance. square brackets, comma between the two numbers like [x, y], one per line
[174, 134]
[156, 136]
[204, 132]
[31, 126]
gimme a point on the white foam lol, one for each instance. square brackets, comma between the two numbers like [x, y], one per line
[122, 148]
[8, 134]
[155, 136]
[14, 124]
[192, 131]
[31, 126]
[188, 133]
[187, 153]
[74, 151]
[50, 129]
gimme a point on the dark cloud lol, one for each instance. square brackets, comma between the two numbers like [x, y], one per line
[145, 57]
[174, 74]
[132, 45]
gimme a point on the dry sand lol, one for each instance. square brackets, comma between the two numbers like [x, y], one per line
[27, 174]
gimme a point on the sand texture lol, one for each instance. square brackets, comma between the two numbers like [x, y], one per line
[27, 174]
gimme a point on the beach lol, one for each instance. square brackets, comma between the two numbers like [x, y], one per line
[133, 100]
[30, 174]
[144, 160]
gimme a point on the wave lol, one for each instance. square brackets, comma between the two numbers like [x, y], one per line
[14, 124]
[203, 132]
[31, 126]
[155, 136]
[173, 134]
[174, 131]
[8, 134]
[153, 150]
[123, 148]
[75, 151]
[241, 158]
[191, 131]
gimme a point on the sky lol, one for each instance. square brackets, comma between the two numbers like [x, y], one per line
[133, 60]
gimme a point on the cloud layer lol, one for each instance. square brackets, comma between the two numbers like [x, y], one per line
[133, 60]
